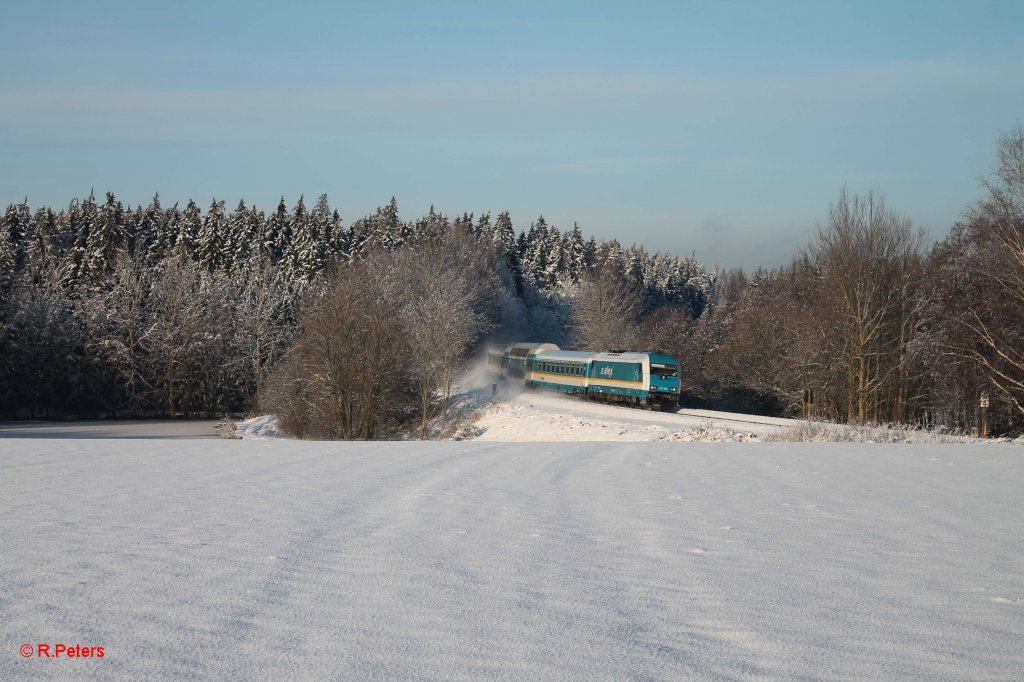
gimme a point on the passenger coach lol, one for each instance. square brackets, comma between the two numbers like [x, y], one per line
[649, 380]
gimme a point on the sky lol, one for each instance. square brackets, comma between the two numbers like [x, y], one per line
[723, 129]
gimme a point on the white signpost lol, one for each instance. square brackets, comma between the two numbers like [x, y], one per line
[984, 409]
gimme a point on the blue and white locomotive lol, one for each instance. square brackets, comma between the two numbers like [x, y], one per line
[650, 380]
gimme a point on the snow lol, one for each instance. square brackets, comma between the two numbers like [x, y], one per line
[519, 415]
[265, 426]
[280, 559]
[548, 416]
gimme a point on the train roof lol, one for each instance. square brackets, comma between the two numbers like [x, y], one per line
[522, 350]
[565, 356]
[621, 357]
[549, 351]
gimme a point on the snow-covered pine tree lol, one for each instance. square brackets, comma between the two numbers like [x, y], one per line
[209, 244]
[304, 260]
[238, 239]
[152, 233]
[291, 261]
[482, 231]
[315, 252]
[106, 239]
[277, 232]
[554, 268]
[338, 242]
[430, 227]
[589, 256]
[14, 229]
[77, 227]
[387, 226]
[134, 237]
[463, 225]
[42, 252]
[189, 228]
[172, 222]
[534, 257]
[658, 275]
[65, 233]
[504, 236]
[575, 254]
[7, 265]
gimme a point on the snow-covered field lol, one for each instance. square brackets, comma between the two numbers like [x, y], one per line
[276, 559]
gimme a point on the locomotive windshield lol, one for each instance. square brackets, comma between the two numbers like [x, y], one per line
[664, 370]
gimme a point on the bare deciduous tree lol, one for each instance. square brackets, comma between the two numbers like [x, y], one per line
[605, 312]
[997, 223]
[260, 323]
[864, 252]
[442, 313]
[175, 331]
[117, 321]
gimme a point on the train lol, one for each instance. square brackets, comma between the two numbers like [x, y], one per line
[646, 380]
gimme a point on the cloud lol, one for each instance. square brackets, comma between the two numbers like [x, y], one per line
[606, 123]
[554, 92]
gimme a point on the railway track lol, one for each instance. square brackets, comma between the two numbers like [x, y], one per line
[704, 415]
[710, 415]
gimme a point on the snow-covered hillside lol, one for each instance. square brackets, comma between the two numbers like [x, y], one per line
[279, 559]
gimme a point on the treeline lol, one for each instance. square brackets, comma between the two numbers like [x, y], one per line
[872, 324]
[357, 331]
[107, 309]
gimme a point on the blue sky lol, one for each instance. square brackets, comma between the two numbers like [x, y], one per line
[721, 128]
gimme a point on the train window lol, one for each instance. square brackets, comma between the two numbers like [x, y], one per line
[664, 370]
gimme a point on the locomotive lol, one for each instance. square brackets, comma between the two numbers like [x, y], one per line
[648, 380]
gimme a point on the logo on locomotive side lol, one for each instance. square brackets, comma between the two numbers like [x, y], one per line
[606, 371]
